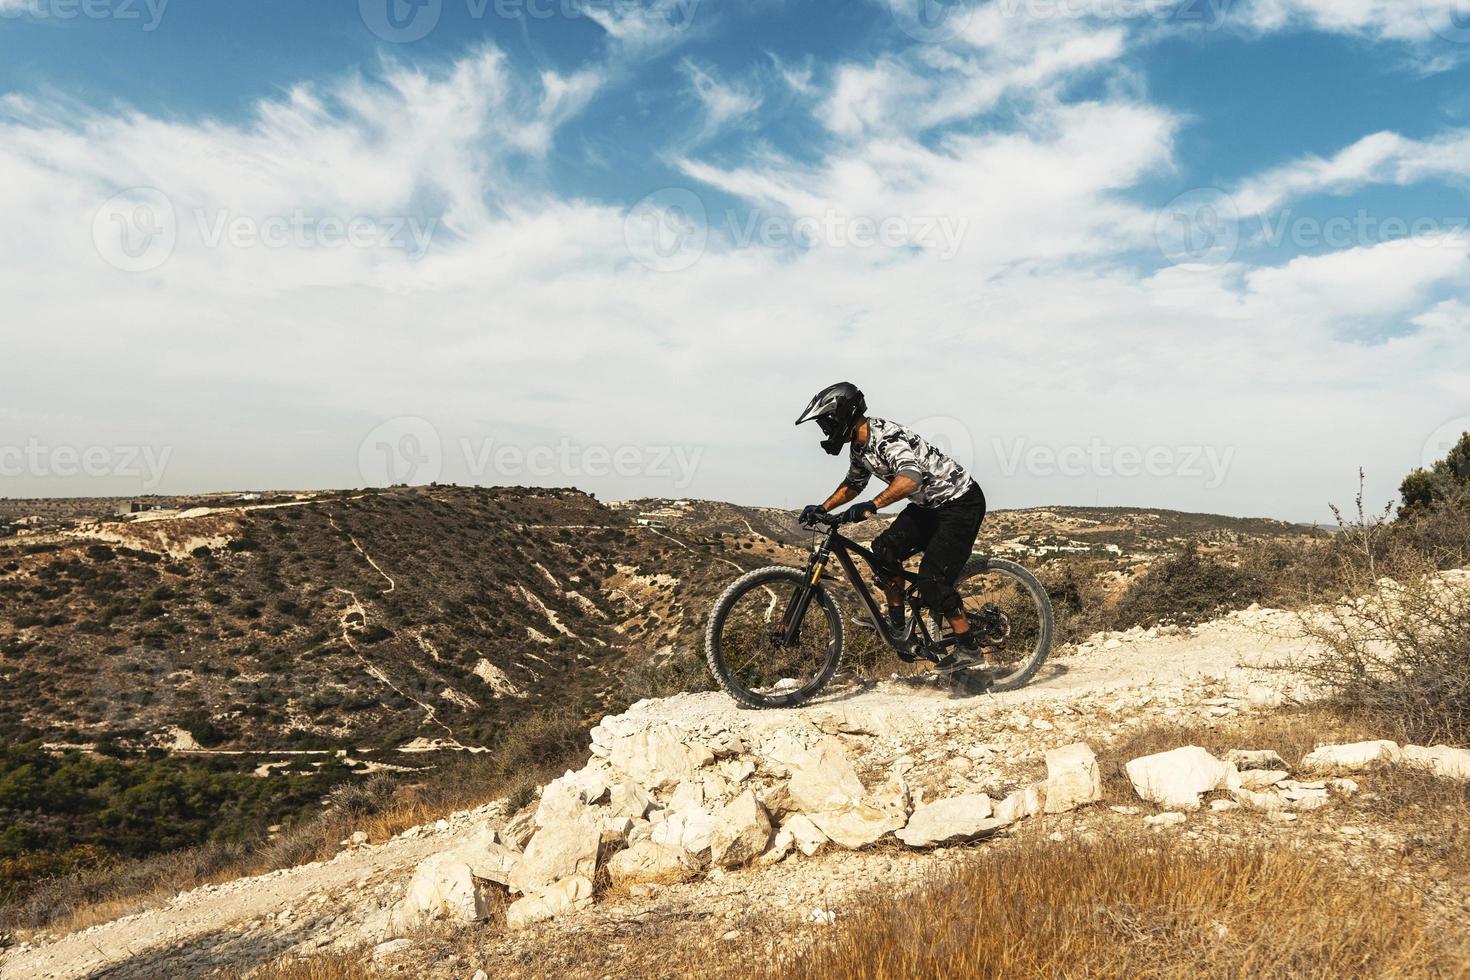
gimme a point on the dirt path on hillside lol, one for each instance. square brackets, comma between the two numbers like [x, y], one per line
[1211, 671]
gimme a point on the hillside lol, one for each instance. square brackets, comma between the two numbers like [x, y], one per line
[371, 620]
[908, 750]
[229, 658]
[362, 620]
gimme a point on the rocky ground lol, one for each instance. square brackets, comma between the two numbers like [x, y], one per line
[758, 827]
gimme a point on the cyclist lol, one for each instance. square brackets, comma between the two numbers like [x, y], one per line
[946, 508]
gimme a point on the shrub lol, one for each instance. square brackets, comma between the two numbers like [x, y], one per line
[662, 677]
[1187, 588]
[1446, 480]
[1077, 599]
[1395, 642]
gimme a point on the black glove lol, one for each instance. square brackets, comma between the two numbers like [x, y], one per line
[810, 512]
[858, 513]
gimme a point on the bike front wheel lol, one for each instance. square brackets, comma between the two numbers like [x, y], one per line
[1011, 609]
[744, 641]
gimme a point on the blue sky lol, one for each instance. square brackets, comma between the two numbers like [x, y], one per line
[1226, 239]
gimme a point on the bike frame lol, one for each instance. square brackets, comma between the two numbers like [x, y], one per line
[832, 544]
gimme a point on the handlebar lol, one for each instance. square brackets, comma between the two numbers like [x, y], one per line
[830, 520]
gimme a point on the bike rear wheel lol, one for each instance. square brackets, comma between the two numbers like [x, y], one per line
[1011, 608]
[743, 641]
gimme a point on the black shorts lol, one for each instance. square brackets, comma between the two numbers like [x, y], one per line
[945, 534]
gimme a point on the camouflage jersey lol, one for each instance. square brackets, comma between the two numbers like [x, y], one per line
[892, 450]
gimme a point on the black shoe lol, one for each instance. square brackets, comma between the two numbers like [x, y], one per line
[964, 654]
[953, 662]
[903, 644]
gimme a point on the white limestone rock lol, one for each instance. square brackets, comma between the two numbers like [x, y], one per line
[807, 835]
[557, 851]
[1072, 778]
[1354, 756]
[1025, 802]
[568, 895]
[649, 861]
[1260, 779]
[823, 778]
[691, 829]
[1442, 760]
[1176, 778]
[443, 888]
[950, 820]
[742, 832]
[629, 800]
[659, 757]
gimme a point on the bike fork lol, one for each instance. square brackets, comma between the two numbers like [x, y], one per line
[796, 608]
[795, 613]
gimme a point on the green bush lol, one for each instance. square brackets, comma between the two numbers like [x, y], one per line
[1446, 480]
[1187, 588]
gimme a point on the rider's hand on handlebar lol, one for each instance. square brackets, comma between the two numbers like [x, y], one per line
[810, 513]
[858, 513]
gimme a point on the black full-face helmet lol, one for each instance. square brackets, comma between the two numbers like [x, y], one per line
[837, 409]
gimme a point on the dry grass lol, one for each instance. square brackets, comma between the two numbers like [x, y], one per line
[1134, 908]
[1432, 813]
[324, 966]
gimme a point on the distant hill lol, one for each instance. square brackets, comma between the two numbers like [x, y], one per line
[363, 619]
[1137, 531]
[374, 619]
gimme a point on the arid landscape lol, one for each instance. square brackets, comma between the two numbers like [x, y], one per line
[330, 728]
[445, 444]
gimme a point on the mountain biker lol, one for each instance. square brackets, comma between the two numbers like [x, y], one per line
[946, 508]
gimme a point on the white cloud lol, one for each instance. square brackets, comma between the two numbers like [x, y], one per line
[1367, 281]
[642, 28]
[933, 85]
[1376, 159]
[1394, 20]
[532, 322]
[723, 102]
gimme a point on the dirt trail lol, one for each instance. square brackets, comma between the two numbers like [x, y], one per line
[1117, 681]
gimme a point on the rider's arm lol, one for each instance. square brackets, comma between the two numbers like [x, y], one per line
[840, 496]
[902, 486]
[857, 479]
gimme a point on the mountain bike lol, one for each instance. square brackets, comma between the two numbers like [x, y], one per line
[774, 639]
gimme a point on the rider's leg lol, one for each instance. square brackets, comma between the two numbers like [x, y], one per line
[958, 525]
[904, 538]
